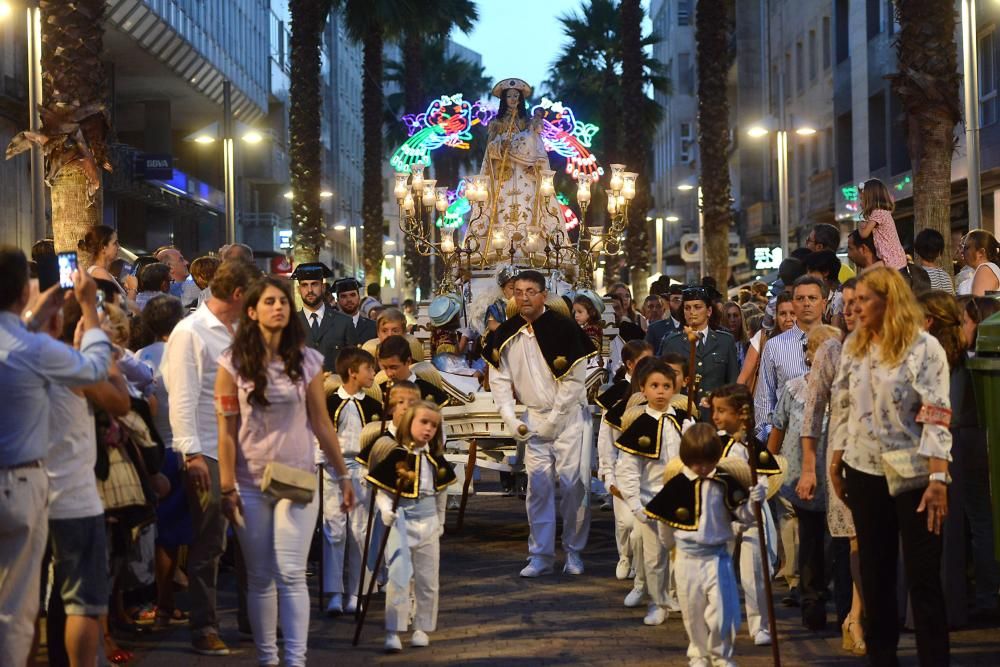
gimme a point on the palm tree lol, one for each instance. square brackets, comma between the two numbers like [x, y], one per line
[928, 86]
[304, 126]
[440, 74]
[637, 240]
[75, 121]
[712, 30]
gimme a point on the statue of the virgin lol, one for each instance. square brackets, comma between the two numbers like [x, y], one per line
[512, 168]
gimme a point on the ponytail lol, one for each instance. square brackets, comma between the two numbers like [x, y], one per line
[980, 239]
[630, 352]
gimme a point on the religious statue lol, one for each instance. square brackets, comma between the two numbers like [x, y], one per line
[512, 171]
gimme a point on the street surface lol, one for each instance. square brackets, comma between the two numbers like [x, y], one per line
[490, 616]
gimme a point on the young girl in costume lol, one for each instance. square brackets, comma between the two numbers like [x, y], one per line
[587, 309]
[651, 437]
[702, 496]
[415, 465]
[729, 404]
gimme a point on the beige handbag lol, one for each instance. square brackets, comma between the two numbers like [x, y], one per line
[283, 482]
[905, 470]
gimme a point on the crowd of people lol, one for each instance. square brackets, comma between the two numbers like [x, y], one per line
[823, 426]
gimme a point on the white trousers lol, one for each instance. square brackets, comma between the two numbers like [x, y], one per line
[629, 540]
[701, 604]
[547, 461]
[344, 534]
[752, 580]
[425, 558]
[275, 544]
[655, 559]
[24, 530]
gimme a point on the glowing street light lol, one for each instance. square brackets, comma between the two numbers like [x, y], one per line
[288, 195]
[339, 228]
[204, 139]
[805, 131]
[253, 137]
[685, 187]
[325, 194]
[757, 131]
[5, 9]
[672, 218]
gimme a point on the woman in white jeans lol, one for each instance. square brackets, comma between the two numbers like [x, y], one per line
[270, 401]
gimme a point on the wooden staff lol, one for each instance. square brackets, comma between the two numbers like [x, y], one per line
[764, 560]
[403, 474]
[692, 337]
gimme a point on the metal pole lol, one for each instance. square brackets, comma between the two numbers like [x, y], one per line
[659, 246]
[970, 62]
[34, 38]
[782, 139]
[354, 251]
[701, 237]
[228, 160]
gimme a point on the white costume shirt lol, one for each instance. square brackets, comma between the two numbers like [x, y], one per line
[639, 478]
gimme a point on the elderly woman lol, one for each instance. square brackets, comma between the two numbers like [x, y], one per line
[890, 395]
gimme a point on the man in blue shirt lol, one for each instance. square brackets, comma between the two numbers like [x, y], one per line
[30, 363]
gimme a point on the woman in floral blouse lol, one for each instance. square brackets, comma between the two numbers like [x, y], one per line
[891, 393]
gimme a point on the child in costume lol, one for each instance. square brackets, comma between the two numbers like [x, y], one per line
[587, 310]
[412, 465]
[650, 438]
[395, 356]
[351, 409]
[702, 496]
[729, 403]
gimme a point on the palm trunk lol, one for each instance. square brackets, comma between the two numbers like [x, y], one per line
[304, 116]
[73, 212]
[714, 56]
[637, 241]
[371, 203]
[415, 265]
[928, 85]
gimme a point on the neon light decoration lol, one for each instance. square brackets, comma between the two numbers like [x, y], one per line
[569, 138]
[454, 215]
[569, 216]
[446, 122]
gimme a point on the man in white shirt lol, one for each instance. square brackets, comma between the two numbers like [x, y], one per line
[542, 356]
[189, 367]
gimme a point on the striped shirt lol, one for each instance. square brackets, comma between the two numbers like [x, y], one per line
[940, 280]
[784, 358]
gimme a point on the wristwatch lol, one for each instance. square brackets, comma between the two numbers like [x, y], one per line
[942, 477]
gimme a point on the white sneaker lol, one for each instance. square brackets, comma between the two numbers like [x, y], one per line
[392, 643]
[419, 639]
[655, 614]
[623, 568]
[574, 564]
[536, 567]
[762, 638]
[631, 573]
[352, 604]
[672, 604]
[335, 607]
[634, 597]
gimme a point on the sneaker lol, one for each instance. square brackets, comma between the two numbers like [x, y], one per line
[672, 604]
[392, 643]
[655, 614]
[209, 645]
[352, 604]
[336, 605]
[419, 639]
[631, 573]
[574, 564]
[454, 502]
[634, 597]
[622, 569]
[762, 638]
[536, 567]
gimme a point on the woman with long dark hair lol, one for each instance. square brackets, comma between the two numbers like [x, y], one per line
[892, 412]
[271, 404]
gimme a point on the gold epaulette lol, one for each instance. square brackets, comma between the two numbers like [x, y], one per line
[631, 415]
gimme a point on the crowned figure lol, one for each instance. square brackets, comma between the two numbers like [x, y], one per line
[512, 171]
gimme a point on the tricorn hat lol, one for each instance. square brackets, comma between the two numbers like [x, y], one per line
[346, 285]
[311, 271]
[518, 84]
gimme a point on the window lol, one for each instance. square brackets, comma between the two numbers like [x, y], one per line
[874, 18]
[683, 12]
[988, 78]
[685, 74]
[826, 42]
[844, 130]
[812, 55]
[800, 68]
[686, 142]
[843, 27]
[876, 132]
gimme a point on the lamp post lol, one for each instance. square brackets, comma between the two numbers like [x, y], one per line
[659, 246]
[970, 84]
[228, 161]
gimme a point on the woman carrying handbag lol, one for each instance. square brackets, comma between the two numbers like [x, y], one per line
[892, 447]
[272, 408]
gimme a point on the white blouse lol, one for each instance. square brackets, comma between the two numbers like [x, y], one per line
[875, 407]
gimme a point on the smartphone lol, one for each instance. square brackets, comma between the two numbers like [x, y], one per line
[67, 265]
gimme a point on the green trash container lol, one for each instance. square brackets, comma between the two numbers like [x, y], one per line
[985, 371]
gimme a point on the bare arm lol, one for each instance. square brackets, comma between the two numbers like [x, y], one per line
[110, 395]
[228, 420]
[319, 421]
[866, 227]
[749, 366]
[984, 281]
[775, 439]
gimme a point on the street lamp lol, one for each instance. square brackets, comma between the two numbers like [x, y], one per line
[970, 83]
[760, 130]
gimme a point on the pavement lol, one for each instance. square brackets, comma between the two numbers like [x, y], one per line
[490, 616]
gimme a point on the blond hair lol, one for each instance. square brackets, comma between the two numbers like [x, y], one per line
[116, 326]
[875, 195]
[817, 336]
[405, 438]
[902, 321]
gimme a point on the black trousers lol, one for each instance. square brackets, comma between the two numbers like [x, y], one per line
[882, 523]
[812, 578]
